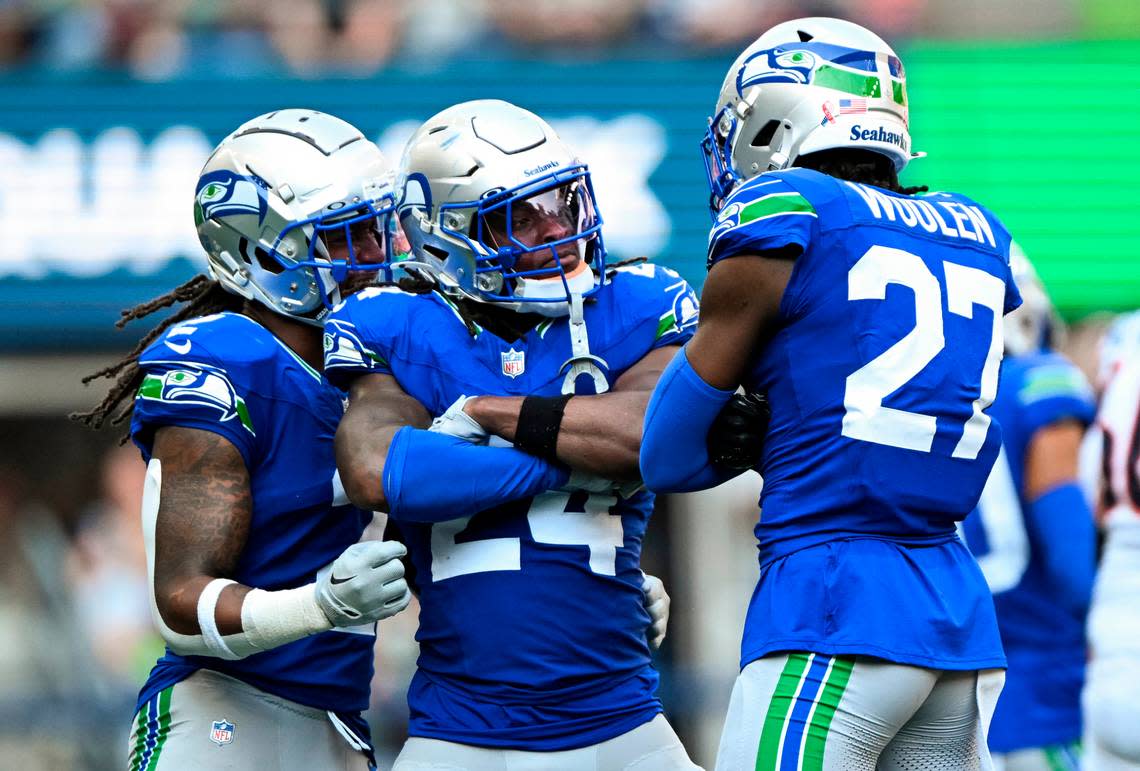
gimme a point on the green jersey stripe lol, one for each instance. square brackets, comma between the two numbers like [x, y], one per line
[776, 203]
[823, 711]
[783, 698]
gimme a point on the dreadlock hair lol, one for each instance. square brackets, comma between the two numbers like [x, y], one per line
[202, 296]
[855, 165]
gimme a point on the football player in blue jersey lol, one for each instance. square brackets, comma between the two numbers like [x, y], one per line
[871, 318]
[519, 501]
[261, 586]
[1035, 539]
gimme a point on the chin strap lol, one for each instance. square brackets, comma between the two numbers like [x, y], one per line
[581, 360]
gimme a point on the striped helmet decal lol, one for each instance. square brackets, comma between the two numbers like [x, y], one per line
[807, 694]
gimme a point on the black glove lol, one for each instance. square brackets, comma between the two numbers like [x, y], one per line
[736, 437]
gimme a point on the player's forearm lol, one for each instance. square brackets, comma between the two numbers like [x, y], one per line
[178, 600]
[598, 434]
[674, 451]
[433, 477]
[364, 440]
[361, 453]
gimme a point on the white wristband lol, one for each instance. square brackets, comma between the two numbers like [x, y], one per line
[207, 607]
[271, 619]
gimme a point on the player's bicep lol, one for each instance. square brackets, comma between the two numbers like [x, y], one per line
[643, 375]
[378, 407]
[1052, 457]
[201, 521]
[740, 305]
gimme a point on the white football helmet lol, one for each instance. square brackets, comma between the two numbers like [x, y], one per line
[481, 166]
[806, 85]
[1035, 325]
[269, 195]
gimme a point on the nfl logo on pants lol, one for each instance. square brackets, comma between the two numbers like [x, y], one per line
[222, 732]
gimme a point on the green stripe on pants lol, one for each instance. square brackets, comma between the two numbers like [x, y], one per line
[824, 711]
[163, 717]
[140, 735]
[778, 710]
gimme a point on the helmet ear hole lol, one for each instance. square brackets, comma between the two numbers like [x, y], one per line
[268, 263]
[764, 136]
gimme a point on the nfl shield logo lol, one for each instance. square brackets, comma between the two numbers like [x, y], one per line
[222, 732]
[514, 363]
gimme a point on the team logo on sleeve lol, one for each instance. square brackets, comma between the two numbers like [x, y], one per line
[726, 219]
[207, 388]
[514, 362]
[222, 732]
[345, 349]
[683, 315]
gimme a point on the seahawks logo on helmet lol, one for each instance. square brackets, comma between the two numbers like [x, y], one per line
[199, 387]
[777, 65]
[224, 193]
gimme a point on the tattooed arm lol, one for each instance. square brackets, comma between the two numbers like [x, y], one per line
[199, 483]
[202, 526]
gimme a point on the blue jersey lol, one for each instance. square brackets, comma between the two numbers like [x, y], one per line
[229, 375]
[886, 357]
[532, 623]
[1044, 642]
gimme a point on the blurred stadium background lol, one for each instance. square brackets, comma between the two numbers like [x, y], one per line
[109, 107]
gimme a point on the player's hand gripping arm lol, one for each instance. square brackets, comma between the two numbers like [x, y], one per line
[388, 463]
[197, 509]
[740, 306]
[598, 434]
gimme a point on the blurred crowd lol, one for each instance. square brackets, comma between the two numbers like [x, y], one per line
[164, 39]
[76, 638]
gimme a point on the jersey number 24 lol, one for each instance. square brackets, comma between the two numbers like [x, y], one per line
[552, 520]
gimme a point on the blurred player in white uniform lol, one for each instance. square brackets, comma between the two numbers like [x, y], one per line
[1034, 537]
[1110, 704]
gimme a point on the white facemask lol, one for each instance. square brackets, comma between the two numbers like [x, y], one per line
[580, 281]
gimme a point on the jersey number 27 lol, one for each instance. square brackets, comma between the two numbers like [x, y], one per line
[865, 418]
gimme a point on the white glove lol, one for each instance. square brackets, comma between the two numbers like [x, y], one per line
[455, 422]
[587, 482]
[366, 584]
[592, 483]
[657, 604]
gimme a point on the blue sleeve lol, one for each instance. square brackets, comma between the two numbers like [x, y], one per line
[1061, 527]
[674, 453]
[355, 337]
[431, 477]
[764, 214]
[1052, 391]
[198, 394]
